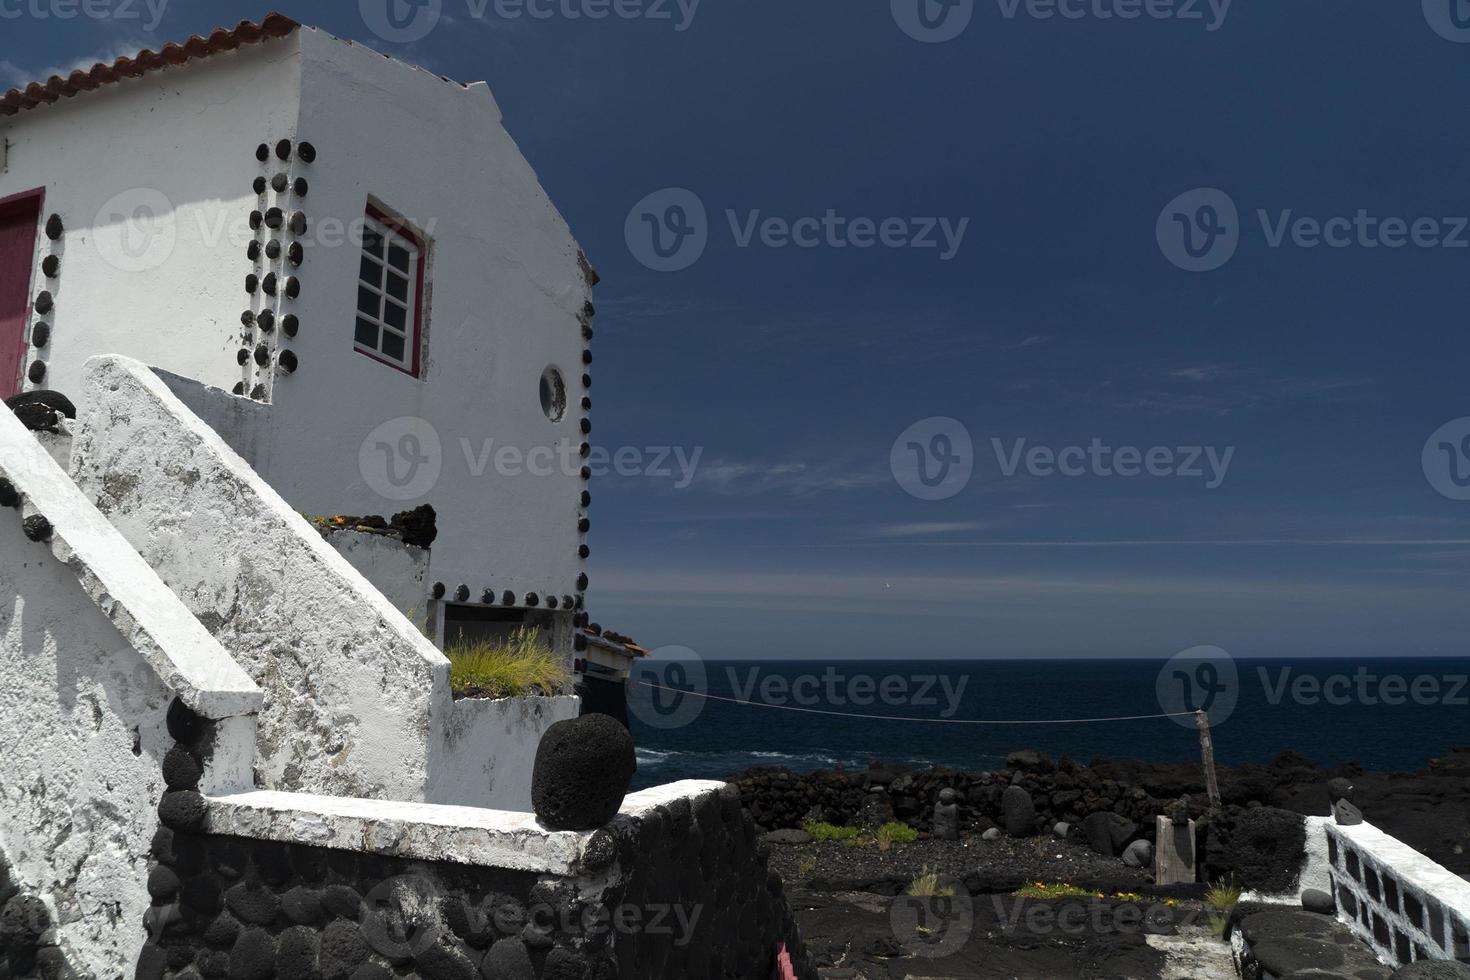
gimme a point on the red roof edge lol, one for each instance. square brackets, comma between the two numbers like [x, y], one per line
[220, 39]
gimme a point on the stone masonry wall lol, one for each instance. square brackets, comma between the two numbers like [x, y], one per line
[681, 891]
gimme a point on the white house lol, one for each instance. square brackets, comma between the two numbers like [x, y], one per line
[353, 273]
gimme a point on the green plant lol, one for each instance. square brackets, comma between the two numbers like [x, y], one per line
[828, 832]
[509, 668]
[1222, 895]
[895, 833]
[927, 886]
[806, 866]
[1040, 889]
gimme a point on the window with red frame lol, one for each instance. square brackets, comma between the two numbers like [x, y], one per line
[390, 293]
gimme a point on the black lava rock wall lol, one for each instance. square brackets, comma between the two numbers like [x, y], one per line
[28, 942]
[683, 892]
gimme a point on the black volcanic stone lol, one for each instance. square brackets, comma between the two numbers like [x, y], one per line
[182, 810]
[253, 956]
[252, 903]
[183, 724]
[271, 861]
[53, 400]
[474, 925]
[229, 860]
[8, 495]
[296, 954]
[37, 528]
[582, 771]
[418, 527]
[213, 963]
[342, 901]
[343, 949]
[302, 906]
[600, 851]
[563, 964]
[151, 963]
[180, 769]
[222, 932]
[163, 884]
[201, 895]
[309, 863]
[508, 959]
[372, 971]
[23, 921]
[444, 959]
[37, 418]
[51, 964]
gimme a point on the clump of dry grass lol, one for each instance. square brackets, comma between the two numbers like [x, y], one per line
[515, 667]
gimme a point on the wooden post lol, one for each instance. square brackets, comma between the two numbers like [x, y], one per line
[1207, 750]
[1174, 855]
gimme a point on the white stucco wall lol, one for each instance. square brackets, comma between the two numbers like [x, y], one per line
[93, 648]
[490, 750]
[505, 291]
[395, 569]
[183, 138]
[505, 287]
[353, 692]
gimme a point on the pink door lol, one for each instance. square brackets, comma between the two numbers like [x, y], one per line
[19, 217]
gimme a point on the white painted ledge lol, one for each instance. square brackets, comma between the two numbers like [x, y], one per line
[424, 831]
[189, 661]
[1410, 867]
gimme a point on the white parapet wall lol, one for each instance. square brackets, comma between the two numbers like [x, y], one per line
[1402, 903]
[94, 649]
[356, 698]
[490, 750]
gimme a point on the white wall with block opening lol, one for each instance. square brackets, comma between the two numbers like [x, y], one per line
[94, 648]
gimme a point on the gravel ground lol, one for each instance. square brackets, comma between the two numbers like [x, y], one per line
[999, 866]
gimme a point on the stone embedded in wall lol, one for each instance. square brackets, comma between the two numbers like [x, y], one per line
[583, 769]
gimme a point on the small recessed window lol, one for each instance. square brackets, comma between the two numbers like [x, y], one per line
[390, 286]
[553, 395]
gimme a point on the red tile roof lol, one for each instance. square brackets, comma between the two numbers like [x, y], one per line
[220, 39]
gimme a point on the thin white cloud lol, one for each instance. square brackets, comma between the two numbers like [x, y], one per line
[923, 529]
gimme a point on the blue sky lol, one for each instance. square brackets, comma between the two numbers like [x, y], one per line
[1059, 319]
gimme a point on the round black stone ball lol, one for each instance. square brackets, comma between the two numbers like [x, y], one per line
[180, 769]
[283, 149]
[41, 334]
[582, 772]
[8, 495]
[182, 810]
[307, 153]
[36, 372]
[51, 266]
[37, 528]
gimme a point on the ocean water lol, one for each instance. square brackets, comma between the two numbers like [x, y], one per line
[1388, 714]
